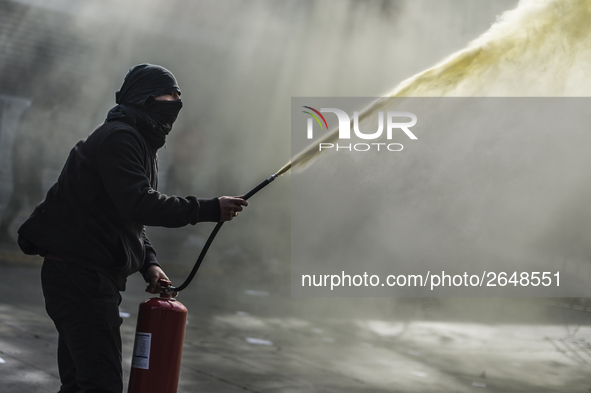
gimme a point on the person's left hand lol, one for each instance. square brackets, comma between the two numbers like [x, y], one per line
[152, 276]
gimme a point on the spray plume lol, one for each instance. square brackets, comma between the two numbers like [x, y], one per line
[541, 48]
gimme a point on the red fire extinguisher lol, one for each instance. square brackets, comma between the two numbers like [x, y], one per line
[158, 345]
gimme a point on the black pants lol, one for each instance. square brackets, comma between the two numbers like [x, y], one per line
[84, 306]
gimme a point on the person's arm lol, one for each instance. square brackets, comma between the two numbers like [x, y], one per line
[151, 270]
[122, 171]
[149, 255]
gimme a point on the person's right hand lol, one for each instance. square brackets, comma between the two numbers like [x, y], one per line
[230, 206]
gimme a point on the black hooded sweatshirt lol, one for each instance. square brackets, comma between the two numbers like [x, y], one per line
[94, 215]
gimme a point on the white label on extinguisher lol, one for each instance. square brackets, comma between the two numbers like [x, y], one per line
[141, 350]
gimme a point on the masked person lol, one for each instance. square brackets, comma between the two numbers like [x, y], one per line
[90, 227]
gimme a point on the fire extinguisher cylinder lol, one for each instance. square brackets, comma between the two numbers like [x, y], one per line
[158, 346]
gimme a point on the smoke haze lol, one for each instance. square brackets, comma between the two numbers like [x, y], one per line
[239, 63]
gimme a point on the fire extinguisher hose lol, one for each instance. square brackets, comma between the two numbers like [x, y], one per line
[212, 236]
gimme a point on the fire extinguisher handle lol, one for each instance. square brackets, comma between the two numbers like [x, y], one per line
[164, 283]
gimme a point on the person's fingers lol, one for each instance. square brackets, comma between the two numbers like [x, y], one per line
[230, 206]
[160, 281]
[238, 201]
[238, 206]
[154, 286]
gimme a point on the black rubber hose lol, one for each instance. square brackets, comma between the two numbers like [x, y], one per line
[212, 236]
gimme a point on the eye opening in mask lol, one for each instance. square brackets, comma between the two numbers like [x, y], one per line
[172, 96]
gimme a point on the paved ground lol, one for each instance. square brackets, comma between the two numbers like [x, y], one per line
[245, 339]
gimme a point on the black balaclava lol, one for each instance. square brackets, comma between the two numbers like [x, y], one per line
[137, 106]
